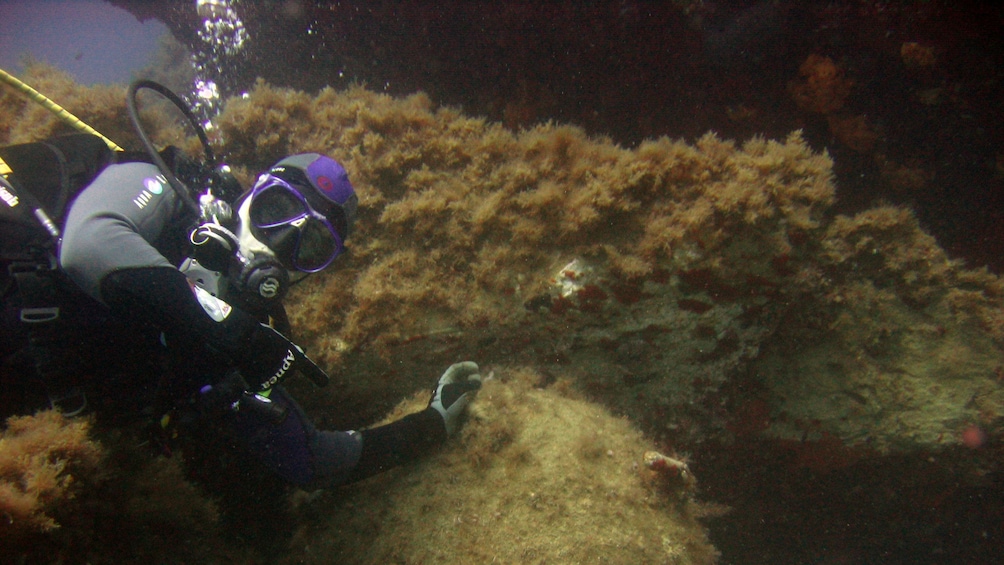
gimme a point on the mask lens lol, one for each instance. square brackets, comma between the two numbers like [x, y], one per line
[318, 246]
[283, 221]
[275, 205]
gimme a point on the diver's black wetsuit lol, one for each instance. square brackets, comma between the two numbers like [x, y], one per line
[120, 246]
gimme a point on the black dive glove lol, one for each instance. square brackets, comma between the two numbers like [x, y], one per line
[164, 298]
[454, 391]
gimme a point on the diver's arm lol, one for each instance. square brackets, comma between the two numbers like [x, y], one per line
[414, 435]
[111, 225]
[397, 443]
[107, 251]
[164, 298]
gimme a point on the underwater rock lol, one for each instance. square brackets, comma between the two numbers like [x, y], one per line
[910, 352]
[72, 492]
[536, 477]
[649, 278]
[42, 458]
[698, 258]
[691, 250]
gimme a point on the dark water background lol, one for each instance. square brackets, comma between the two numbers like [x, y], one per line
[635, 69]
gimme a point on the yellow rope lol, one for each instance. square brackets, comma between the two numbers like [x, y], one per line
[56, 109]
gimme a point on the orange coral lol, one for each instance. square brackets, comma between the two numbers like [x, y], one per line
[824, 86]
[853, 131]
[917, 55]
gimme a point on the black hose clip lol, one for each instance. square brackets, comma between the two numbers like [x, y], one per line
[232, 394]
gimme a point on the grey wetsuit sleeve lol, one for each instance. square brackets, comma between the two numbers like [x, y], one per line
[113, 222]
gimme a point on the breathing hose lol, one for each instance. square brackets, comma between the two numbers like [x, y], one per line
[179, 187]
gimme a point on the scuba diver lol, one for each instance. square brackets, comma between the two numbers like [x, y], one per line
[130, 273]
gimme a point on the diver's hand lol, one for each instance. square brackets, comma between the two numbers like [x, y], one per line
[271, 358]
[454, 391]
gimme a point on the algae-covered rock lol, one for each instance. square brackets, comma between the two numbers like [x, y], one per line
[910, 353]
[536, 477]
[649, 277]
[688, 253]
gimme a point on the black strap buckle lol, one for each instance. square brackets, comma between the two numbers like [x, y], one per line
[36, 286]
[40, 315]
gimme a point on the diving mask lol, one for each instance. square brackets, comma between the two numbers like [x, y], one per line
[281, 219]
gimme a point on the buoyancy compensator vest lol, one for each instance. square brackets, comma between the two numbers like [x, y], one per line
[45, 315]
[41, 182]
[45, 177]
